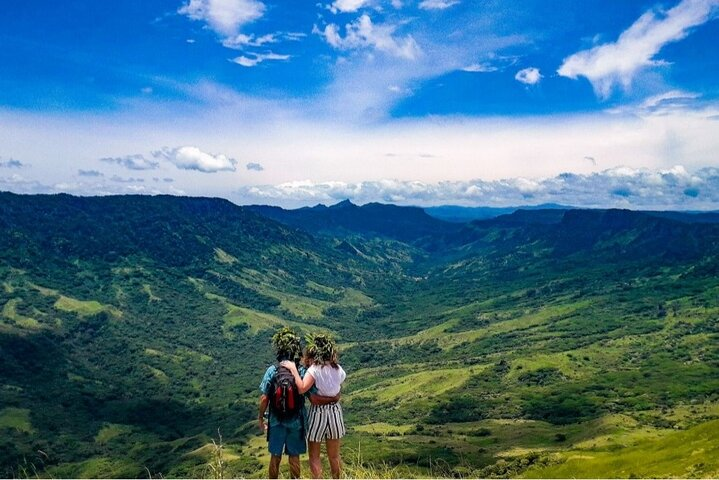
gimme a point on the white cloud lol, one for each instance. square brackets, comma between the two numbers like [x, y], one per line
[528, 76]
[346, 6]
[636, 48]
[132, 162]
[362, 33]
[437, 4]
[119, 179]
[192, 158]
[480, 68]
[667, 101]
[98, 186]
[314, 144]
[225, 17]
[19, 184]
[294, 36]
[400, 90]
[246, 61]
[257, 58]
[616, 187]
[241, 40]
[254, 166]
[360, 75]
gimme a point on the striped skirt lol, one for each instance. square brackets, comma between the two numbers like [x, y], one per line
[325, 422]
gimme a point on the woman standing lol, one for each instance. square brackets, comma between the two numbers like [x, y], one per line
[325, 422]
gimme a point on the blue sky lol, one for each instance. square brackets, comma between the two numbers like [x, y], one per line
[596, 103]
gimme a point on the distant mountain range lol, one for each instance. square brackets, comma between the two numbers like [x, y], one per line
[566, 228]
[392, 221]
[453, 213]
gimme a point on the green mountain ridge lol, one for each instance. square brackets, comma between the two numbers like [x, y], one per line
[132, 328]
[405, 224]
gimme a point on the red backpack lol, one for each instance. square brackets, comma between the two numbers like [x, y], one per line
[285, 400]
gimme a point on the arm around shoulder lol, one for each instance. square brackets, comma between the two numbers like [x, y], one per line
[320, 400]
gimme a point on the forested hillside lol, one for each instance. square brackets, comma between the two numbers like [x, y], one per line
[133, 328]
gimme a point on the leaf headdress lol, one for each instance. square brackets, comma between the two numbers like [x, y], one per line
[287, 344]
[321, 347]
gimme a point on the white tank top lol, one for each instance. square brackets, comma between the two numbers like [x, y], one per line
[327, 379]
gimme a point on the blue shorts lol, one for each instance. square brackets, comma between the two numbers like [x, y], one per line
[281, 439]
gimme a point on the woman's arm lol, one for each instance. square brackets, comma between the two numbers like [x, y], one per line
[303, 384]
[320, 400]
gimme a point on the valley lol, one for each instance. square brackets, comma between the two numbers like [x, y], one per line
[538, 343]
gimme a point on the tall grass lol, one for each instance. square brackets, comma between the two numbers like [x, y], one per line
[355, 466]
[217, 466]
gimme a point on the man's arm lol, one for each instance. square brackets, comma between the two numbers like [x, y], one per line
[263, 407]
[320, 400]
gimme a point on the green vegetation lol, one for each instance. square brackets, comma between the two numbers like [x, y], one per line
[224, 257]
[133, 328]
[99, 467]
[9, 311]
[689, 453]
[84, 308]
[110, 432]
[402, 389]
[17, 419]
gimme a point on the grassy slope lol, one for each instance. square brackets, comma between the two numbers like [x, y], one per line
[690, 453]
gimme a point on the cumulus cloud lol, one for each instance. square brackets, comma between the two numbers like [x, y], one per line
[362, 33]
[437, 4]
[192, 158]
[616, 187]
[254, 166]
[132, 162]
[225, 17]
[256, 58]
[90, 173]
[636, 48]
[12, 163]
[347, 5]
[528, 76]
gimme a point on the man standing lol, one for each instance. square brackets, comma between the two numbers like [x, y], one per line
[287, 417]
